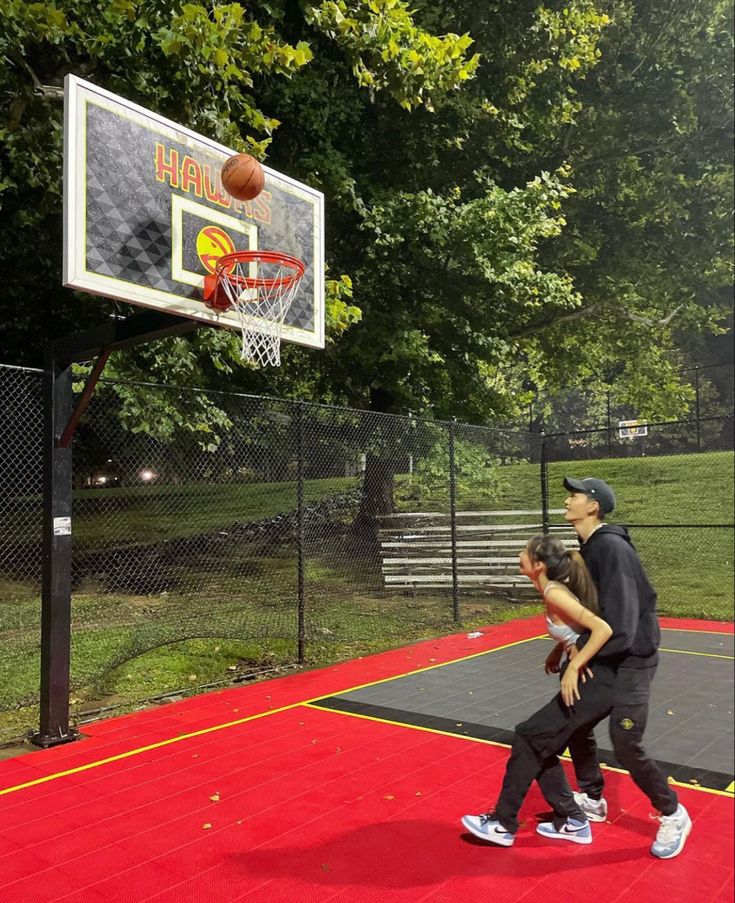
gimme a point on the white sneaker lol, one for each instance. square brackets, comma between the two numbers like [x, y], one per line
[672, 834]
[487, 827]
[570, 829]
[595, 810]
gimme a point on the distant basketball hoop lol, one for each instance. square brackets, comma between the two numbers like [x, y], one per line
[632, 429]
[260, 287]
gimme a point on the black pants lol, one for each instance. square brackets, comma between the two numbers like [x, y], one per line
[628, 720]
[538, 742]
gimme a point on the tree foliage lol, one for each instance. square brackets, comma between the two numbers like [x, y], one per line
[520, 195]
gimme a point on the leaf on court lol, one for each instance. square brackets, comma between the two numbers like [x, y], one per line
[669, 712]
[432, 659]
[459, 724]
[215, 797]
[206, 826]
[195, 756]
[389, 797]
[693, 781]
[418, 793]
[327, 868]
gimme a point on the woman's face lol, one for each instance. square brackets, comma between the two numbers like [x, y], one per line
[527, 565]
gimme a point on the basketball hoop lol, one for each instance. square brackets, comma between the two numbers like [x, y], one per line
[260, 287]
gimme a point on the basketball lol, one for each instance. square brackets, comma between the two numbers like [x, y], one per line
[243, 177]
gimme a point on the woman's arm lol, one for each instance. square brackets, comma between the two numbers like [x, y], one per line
[571, 611]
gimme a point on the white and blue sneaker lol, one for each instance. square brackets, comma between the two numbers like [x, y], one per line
[571, 829]
[672, 834]
[595, 810]
[487, 827]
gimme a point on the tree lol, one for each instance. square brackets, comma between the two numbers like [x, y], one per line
[649, 236]
[471, 225]
[197, 63]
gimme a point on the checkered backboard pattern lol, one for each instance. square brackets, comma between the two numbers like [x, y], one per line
[129, 235]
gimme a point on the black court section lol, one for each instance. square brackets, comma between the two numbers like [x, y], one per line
[690, 726]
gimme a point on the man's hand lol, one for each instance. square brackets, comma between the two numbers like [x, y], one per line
[552, 665]
[572, 652]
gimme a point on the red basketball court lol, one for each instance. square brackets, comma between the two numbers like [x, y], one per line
[253, 794]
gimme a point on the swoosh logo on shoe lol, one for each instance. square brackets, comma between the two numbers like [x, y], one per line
[568, 829]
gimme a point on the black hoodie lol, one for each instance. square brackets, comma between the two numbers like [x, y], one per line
[627, 599]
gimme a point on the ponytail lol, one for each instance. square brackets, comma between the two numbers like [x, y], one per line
[566, 566]
[580, 582]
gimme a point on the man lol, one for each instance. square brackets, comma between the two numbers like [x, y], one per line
[628, 604]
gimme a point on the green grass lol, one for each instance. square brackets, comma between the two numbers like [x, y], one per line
[238, 613]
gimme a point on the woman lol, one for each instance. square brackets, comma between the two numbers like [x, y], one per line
[570, 602]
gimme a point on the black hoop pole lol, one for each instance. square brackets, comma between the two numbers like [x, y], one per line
[56, 581]
[60, 422]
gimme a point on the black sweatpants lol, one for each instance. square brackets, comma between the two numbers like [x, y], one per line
[541, 738]
[628, 720]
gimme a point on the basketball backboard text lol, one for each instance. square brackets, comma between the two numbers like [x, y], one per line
[146, 217]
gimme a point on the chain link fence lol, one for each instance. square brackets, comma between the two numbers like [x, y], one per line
[289, 533]
[677, 502]
[275, 537]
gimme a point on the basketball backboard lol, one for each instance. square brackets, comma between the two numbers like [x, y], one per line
[146, 217]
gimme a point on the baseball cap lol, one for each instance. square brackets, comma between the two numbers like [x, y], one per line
[597, 490]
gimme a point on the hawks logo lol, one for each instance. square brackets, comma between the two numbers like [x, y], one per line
[212, 243]
[627, 724]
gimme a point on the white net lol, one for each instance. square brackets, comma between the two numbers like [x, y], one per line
[261, 292]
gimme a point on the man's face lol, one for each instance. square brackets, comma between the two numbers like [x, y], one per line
[580, 506]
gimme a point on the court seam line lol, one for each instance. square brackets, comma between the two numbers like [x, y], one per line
[395, 754]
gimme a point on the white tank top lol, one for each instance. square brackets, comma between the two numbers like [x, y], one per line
[562, 633]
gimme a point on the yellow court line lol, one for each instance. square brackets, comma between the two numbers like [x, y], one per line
[692, 630]
[141, 749]
[219, 727]
[729, 792]
[413, 727]
[706, 654]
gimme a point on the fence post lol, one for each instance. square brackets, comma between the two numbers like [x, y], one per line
[56, 580]
[545, 523]
[696, 407]
[300, 551]
[609, 427]
[453, 520]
